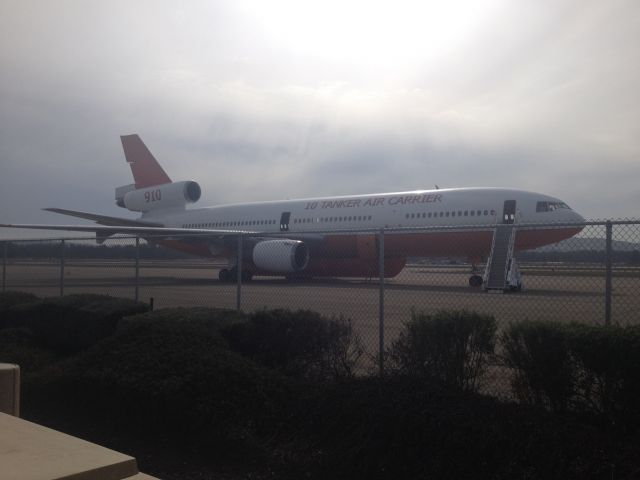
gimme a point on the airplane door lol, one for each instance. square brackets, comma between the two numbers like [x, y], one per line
[509, 211]
[284, 221]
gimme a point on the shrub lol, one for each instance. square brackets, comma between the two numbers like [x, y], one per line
[298, 343]
[453, 346]
[544, 371]
[17, 345]
[608, 365]
[400, 428]
[72, 323]
[10, 299]
[209, 321]
[179, 381]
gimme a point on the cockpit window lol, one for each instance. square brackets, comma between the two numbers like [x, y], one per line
[551, 206]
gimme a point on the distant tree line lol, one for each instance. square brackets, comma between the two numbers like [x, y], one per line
[151, 251]
[75, 250]
[631, 257]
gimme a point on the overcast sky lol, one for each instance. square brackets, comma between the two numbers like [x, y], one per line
[264, 100]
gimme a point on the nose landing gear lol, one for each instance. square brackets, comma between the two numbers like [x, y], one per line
[475, 281]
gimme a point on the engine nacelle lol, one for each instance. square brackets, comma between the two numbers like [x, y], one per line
[169, 195]
[281, 256]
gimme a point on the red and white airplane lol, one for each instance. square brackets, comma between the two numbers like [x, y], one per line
[323, 237]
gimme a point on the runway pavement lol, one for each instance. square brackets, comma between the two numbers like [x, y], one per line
[554, 292]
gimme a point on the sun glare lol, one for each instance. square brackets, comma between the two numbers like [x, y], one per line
[385, 33]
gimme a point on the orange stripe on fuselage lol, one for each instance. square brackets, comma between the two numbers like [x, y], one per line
[356, 255]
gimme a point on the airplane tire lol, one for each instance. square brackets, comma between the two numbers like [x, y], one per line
[475, 281]
[233, 275]
[224, 275]
[247, 276]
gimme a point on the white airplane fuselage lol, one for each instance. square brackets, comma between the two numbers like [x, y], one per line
[331, 236]
[330, 225]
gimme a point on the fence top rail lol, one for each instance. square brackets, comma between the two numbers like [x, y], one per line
[317, 232]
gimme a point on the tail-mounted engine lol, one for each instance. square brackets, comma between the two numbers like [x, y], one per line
[168, 195]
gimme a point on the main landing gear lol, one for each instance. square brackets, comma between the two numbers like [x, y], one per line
[475, 280]
[231, 275]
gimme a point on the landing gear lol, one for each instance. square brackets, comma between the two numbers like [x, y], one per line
[247, 275]
[226, 275]
[475, 281]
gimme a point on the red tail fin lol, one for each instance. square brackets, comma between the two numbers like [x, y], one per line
[146, 170]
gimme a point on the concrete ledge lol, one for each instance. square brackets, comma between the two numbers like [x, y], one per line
[29, 451]
[10, 389]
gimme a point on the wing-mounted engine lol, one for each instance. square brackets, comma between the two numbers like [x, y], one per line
[281, 256]
[168, 195]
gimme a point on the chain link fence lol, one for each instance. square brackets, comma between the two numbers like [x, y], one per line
[593, 277]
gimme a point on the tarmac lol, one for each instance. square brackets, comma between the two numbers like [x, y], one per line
[552, 292]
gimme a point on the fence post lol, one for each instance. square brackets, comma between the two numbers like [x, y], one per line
[137, 286]
[381, 301]
[4, 267]
[62, 245]
[608, 284]
[239, 273]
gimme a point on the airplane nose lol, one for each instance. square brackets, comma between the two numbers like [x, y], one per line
[577, 218]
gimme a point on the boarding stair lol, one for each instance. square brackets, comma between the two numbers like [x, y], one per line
[502, 273]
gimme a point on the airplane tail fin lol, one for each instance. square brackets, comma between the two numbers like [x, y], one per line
[146, 170]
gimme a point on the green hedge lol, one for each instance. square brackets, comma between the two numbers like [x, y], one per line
[544, 372]
[211, 382]
[454, 346]
[402, 427]
[69, 324]
[170, 372]
[575, 366]
[298, 343]
[10, 299]
[18, 346]
[607, 363]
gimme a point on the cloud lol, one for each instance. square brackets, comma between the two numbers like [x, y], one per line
[536, 95]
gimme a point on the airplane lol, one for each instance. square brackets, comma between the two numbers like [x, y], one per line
[325, 236]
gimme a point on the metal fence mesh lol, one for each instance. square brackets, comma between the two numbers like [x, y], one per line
[593, 277]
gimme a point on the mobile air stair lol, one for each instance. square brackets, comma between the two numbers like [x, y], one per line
[502, 273]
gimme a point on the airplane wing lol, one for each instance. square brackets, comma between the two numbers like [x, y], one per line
[108, 226]
[134, 230]
[103, 219]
